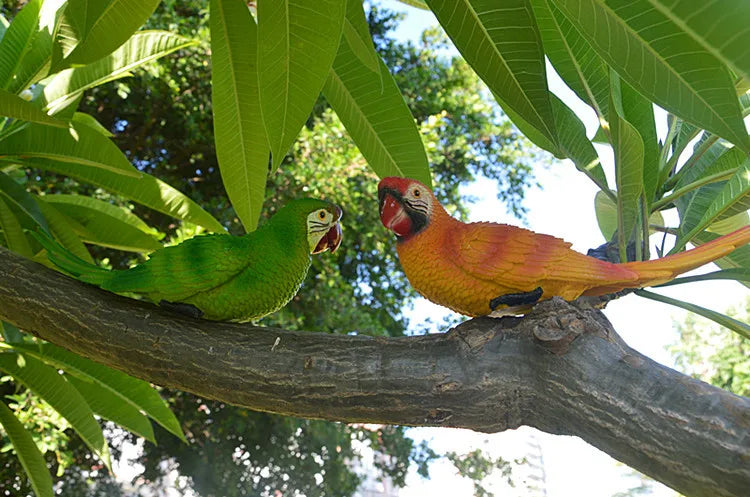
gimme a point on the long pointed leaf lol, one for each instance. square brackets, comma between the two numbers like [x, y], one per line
[501, 42]
[297, 42]
[358, 37]
[104, 224]
[16, 196]
[722, 28]
[62, 228]
[575, 145]
[28, 453]
[15, 239]
[141, 48]
[72, 203]
[17, 38]
[736, 274]
[14, 106]
[37, 60]
[639, 112]
[628, 148]
[103, 25]
[573, 58]
[58, 393]
[241, 145]
[727, 322]
[132, 391]
[661, 61]
[734, 190]
[77, 145]
[376, 117]
[110, 406]
[90, 121]
[717, 160]
[146, 190]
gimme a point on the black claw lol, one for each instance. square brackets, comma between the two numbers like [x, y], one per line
[513, 299]
[181, 308]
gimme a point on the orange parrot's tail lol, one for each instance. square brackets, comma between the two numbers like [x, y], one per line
[667, 268]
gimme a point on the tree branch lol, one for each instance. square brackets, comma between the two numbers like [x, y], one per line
[561, 369]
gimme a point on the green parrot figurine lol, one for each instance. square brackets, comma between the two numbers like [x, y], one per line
[219, 276]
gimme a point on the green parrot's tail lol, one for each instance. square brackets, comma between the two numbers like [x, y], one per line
[71, 263]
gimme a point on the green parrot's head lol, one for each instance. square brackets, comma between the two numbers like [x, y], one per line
[321, 220]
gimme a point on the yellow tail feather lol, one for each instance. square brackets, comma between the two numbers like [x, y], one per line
[667, 268]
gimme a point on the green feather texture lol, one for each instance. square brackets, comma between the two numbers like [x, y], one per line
[224, 277]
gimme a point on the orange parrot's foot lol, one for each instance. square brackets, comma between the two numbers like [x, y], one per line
[517, 299]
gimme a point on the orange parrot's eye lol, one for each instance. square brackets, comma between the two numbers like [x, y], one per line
[416, 192]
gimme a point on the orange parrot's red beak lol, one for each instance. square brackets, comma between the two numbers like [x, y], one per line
[393, 215]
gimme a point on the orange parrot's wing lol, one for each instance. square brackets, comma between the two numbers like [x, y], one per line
[522, 260]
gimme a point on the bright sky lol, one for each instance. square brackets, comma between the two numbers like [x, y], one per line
[562, 207]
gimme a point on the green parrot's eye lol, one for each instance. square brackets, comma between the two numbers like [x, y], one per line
[322, 214]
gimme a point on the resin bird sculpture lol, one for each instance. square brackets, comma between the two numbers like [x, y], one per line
[482, 268]
[219, 276]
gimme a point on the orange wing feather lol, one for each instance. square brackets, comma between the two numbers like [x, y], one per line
[524, 260]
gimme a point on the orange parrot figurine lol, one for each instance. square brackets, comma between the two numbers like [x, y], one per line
[482, 268]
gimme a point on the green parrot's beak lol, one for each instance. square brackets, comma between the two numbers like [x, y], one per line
[332, 239]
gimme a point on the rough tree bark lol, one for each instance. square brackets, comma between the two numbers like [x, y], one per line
[561, 369]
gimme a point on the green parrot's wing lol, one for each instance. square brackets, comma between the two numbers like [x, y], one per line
[196, 265]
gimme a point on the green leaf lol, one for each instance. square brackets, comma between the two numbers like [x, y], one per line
[37, 60]
[529, 131]
[11, 334]
[90, 121]
[17, 39]
[13, 234]
[725, 321]
[416, 3]
[719, 27]
[639, 112]
[110, 406]
[661, 61]
[142, 47]
[606, 215]
[3, 26]
[573, 58]
[376, 117]
[137, 393]
[575, 145]
[104, 224]
[693, 195]
[17, 108]
[600, 136]
[737, 274]
[628, 148]
[358, 37]
[146, 190]
[297, 42]
[58, 393]
[63, 229]
[76, 145]
[241, 145]
[502, 44]
[17, 197]
[103, 25]
[733, 191]
[28, 453]
[739, 258]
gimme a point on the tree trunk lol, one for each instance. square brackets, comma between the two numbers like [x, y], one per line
[561, 369]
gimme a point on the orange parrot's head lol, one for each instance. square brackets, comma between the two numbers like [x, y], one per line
[405, 205]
